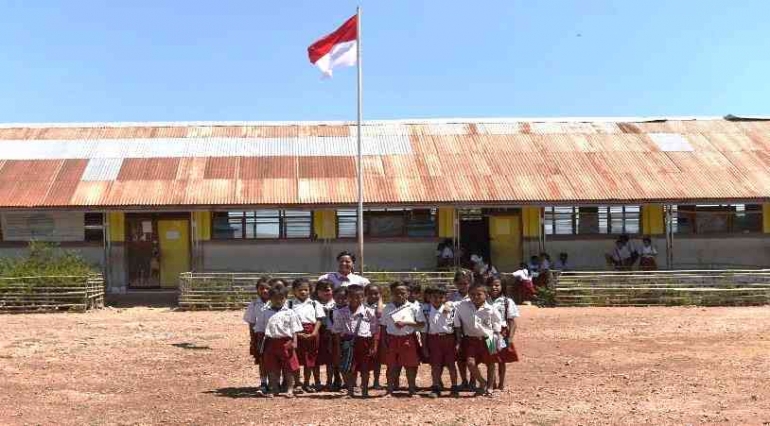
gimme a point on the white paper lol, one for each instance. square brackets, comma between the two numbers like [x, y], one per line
[147, 226]
[403, 315]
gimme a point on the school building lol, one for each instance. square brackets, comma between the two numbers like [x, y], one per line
[147, 201]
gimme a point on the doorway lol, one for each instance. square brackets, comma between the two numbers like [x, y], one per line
[474, 236]
[505, 244]
[157, 248]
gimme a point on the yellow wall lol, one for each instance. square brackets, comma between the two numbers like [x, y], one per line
[766, 217]
[325, 223]
[530, 219]
[652, 219]
[116, 221]
[202, 225]
[446, 222]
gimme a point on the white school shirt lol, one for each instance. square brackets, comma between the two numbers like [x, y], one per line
[346, 323]
[250, 316]
[481, 322]
[441, 320]
[522, 274]
[308, 311]
[390, 325]
[328, 308]
[278, 324]
[340, 280]
[649, 251]
[513, 310]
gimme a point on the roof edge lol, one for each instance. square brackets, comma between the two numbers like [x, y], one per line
[457, 120]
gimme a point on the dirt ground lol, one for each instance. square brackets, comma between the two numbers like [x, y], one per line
[579, 366]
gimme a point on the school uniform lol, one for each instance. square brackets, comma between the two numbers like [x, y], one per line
[508, 310]
[250, 317]
[358, 331]
[439, 330]
[325, 336]
[381, 344]
[477, 325]
[340, 280]
[401, 343]
[647, 261]
[309, 313]
[279, 327]
[456, 297]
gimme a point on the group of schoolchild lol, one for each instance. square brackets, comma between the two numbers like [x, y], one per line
[342, 323]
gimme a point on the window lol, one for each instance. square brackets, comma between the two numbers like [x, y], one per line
[94, 227]
[262, 224]
[716, 219]
[592, 220]
[384, 223]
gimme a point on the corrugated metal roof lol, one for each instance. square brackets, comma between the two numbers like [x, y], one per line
[496, 161]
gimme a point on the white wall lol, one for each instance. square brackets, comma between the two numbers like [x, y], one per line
[689, 252]
[303, 256]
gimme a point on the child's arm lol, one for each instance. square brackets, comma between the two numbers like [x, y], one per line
[511, 329]
[316, 329]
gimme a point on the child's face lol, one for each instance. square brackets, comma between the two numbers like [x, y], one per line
[496, 288]
[478, 296]
[302, 292]
[355, 298]
[325, 294]
[277, 301]
[437, 299]
[263, 291]
[415, 295]
[341, 299]
[373, 296]
[462, 285]
[399, 295]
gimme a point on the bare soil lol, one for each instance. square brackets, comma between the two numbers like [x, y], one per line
[579, 366]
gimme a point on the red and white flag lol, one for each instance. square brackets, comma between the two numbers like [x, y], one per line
[336, 49]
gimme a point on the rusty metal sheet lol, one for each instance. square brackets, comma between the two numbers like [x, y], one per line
[149, 169]
[326, 167]
[30, 170]
[191, 168]
[91, 193]
[222, 168]
[282, 167]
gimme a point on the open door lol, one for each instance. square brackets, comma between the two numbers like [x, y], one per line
[174, 236]
[505, 242]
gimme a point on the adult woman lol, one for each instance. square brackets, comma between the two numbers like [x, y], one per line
[344, 275]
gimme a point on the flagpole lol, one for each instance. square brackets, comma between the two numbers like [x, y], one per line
[360, 156]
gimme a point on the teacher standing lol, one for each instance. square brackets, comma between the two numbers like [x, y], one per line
[344, 275]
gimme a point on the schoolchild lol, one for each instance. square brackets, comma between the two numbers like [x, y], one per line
[441, 341]
[374, 301]
[508, 311]
[323, 294]
[462, 282]
[310, 313]
[340, 295]
[250, 317]
[478, 324]
[356, 330]
[280, 326]
[400, 321]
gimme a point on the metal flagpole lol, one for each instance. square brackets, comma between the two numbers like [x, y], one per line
[360, 157]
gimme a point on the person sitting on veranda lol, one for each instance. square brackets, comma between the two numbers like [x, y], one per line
[445, 254]
[562, 263]
[620, 256]
[647, 254]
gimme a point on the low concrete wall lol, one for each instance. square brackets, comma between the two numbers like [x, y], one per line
[303, 256]
[689, 252]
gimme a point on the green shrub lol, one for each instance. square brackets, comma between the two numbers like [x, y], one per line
[45, 259]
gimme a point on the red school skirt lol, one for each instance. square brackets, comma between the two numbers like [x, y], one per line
[254, 341]
[325, 343]
[476, 348]
[509, 354]
[307, 349]
[401, 351]
[279, 355]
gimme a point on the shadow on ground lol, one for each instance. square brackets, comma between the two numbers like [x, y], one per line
[191, 346]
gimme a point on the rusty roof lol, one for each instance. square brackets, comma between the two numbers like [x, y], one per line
[406, 162]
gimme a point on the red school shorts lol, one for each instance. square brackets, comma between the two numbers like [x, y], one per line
[509, 354]
[442, 350]
[363, 361]
[307, 349]
[279, 355]
[476, 348]
[401, 351]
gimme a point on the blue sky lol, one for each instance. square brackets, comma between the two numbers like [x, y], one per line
[163, 60]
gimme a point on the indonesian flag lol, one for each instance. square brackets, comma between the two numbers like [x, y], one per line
[336, 49]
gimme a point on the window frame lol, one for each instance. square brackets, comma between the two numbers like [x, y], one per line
[405, 213]
[603, 217]
[251, 219]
